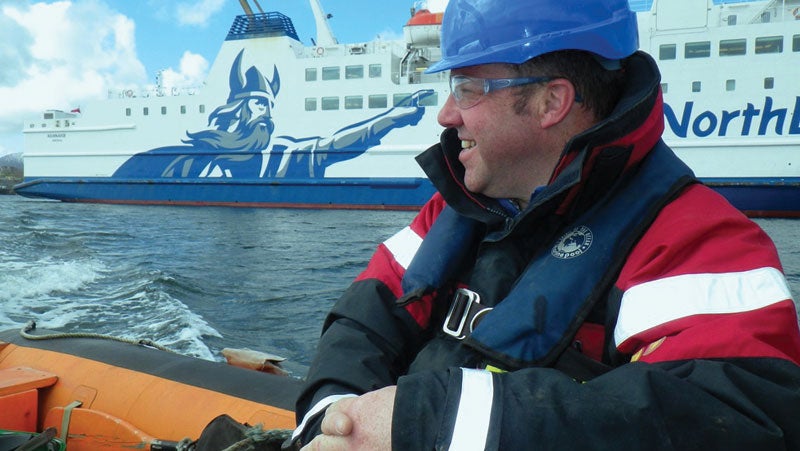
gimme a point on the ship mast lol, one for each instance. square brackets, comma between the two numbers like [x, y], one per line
[246, 7]
[324, 32]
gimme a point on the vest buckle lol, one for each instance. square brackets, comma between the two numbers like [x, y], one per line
[464, 314]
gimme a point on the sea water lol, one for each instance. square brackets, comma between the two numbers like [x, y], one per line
[198, 280]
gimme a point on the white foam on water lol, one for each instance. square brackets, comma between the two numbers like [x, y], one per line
[20, 281]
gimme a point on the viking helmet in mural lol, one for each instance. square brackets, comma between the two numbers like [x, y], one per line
[253, 84]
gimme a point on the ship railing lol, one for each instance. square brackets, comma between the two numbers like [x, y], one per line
[262, 25]
[160, 91]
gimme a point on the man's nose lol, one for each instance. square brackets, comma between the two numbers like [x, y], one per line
[450, 115]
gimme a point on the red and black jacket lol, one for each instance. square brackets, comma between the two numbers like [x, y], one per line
[692, 342]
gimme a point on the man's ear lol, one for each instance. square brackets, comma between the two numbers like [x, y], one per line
[558, 99]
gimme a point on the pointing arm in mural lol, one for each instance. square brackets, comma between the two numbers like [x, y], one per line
[239, 141]
[309, 157]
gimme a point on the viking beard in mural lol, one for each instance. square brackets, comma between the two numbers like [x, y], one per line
[240, 136]
[249, 133]
[244, 129]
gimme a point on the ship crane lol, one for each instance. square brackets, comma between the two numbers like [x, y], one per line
[324, 33]
[246, 7]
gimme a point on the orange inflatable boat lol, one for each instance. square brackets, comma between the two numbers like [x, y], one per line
[110, 395]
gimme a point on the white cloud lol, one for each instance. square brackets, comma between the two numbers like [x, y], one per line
[15, 55]
[191, 73]
[198, 12]
[59, 54]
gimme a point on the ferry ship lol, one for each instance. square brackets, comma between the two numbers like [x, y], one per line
[337, 125]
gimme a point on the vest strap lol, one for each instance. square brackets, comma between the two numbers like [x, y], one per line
[465, 313]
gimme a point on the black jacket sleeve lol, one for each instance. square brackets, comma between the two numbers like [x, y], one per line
[747, 404]
[365, 345]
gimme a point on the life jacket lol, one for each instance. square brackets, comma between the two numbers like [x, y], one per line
[536, 321]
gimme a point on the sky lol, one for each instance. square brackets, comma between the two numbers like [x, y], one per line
[60, 54]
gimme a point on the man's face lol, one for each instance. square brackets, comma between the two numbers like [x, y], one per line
[259, 107]
[504, 153]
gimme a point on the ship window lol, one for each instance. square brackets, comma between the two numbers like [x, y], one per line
[145, 111]
[353, 72]
[769, 44]
[202, 109]
[696, 85]
[375, 70]
[163, 110]
[730, 85]
[127, 111]
[330, 103]
[730, 47]
[353, 102]
[697, 49]
[402, 99]
[311, 74]
[667, 52]
[48, 115]
[431, 100]
[664, 88]
[183, 109]
[311, 104]
[732, 19]
[331, 73]
[796, 43]
[769, 83]
[378, 101]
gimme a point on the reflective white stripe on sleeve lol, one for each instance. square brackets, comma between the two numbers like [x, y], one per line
[318, 407]
[403, 246]
[474, 411]
[654, 303]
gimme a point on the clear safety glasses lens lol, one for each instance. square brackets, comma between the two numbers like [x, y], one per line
[468, 91]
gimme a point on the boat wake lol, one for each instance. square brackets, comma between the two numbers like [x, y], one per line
[85, 295]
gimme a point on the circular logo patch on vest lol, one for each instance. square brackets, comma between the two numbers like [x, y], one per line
[573, 243]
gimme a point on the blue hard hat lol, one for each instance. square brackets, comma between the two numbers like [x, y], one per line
[513, 31]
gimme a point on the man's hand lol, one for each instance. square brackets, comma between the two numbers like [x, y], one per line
[362, 423]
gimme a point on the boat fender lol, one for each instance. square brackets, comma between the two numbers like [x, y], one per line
[255, 360]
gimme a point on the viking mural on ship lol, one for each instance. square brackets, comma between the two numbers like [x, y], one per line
[239, 142]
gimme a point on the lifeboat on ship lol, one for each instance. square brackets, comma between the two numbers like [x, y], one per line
[89, 394]
[422, 30]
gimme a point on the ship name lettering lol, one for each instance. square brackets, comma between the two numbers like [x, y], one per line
[56, 135]
[709, 123]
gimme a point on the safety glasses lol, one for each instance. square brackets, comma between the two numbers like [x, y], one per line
[468, 91]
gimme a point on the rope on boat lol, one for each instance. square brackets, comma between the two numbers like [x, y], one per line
[25, 333]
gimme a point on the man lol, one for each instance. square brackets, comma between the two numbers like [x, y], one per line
[571, 285]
